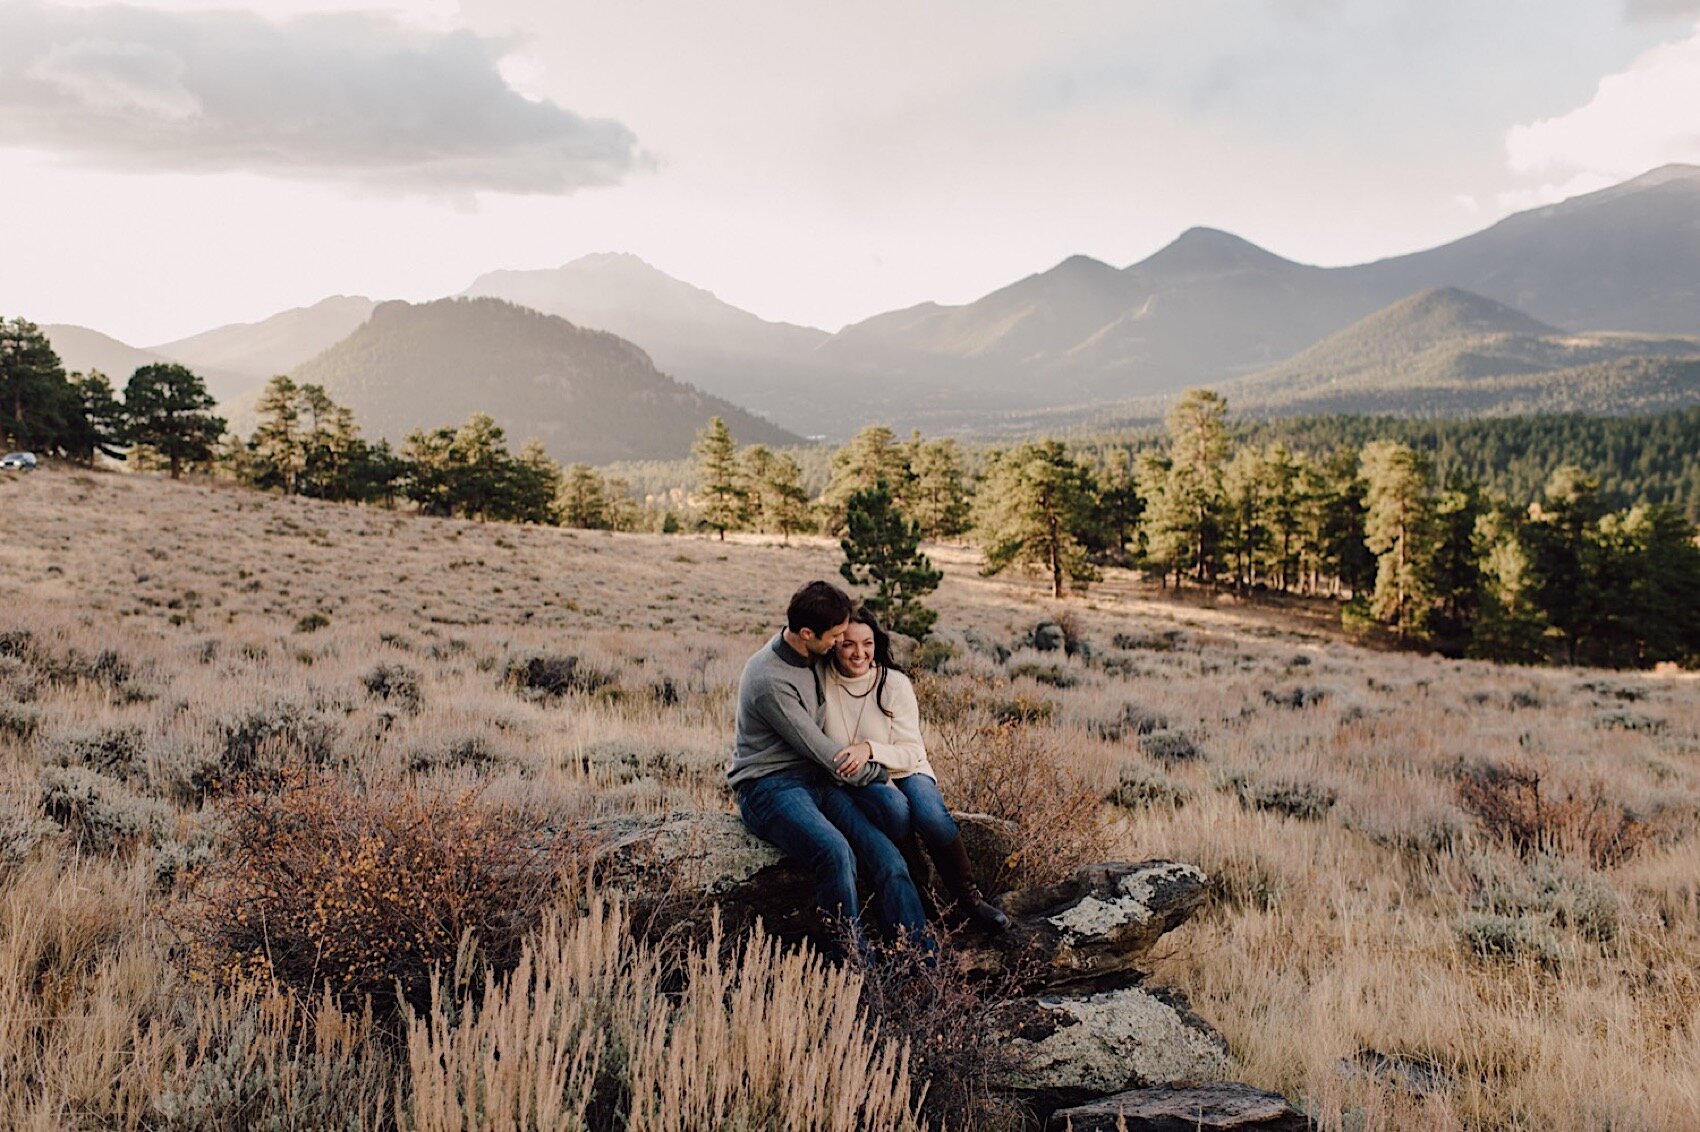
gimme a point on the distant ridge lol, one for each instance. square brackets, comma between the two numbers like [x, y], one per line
[1447, 350]
[586, 394]
[244, 356]
[686, 330]
[81, 350]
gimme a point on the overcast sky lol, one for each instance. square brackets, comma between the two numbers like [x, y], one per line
[174, 165]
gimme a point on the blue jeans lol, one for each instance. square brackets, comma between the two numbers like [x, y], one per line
[815, 821]
[927, 813]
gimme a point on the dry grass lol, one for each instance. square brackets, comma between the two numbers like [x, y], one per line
[1421, 952]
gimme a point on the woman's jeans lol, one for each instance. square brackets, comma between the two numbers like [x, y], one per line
[818, 822]
[912, 802]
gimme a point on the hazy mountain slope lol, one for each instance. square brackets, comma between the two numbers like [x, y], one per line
[245, 356]
[81, 350]
[1447, 350]
[1623, 258]
[588, 395]
[1210, 306]
[687, 331]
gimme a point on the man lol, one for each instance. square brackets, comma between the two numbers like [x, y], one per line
[793, 783]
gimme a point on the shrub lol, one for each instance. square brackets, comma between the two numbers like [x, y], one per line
[1509, 803]
[396, 684]
[97, 811]
[1025, 775]
[474, 751]
[1509, 937]
[322, 885]
[1549, 889]
[1624, 720]
[18, 721]
[21, 831]
[1139, 787]
[264, 1062]
[261, 743]
[1051, 675]
[1170, 746]
[544, 676]
[312, 623]
[1307, 801]
[1296, 698]
[946, 1017]
[110, 750]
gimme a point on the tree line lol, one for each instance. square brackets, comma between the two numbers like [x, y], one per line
[1444, 562]
[303, 443]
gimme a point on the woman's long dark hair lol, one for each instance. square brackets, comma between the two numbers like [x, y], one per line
[882, 655]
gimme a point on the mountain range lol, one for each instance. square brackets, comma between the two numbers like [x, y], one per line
[1601, 291]
[586, 394]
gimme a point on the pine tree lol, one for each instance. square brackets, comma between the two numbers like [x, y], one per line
[39, 408]
[882, 549]
[775, 485]
[276, 452]
[584, 499]
[938, 497]
[1508, 627]
[1562, 538]
[1198, 448]
[1397, 530]
[871, 456]
[167, 409]
[96, 427]
[721, 479]
[1034, 505]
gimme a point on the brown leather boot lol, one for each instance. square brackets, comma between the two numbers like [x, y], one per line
[958, 876]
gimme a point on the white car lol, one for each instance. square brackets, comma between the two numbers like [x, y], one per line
[17, 461]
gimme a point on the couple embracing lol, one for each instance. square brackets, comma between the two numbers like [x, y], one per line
[830, 767]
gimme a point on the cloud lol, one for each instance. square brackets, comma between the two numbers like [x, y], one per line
[1661, 9]
[1638, 119]
[357, 97]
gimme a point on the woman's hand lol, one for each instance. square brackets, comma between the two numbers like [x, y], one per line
[853, 758]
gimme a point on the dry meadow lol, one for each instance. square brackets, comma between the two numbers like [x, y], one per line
[1446, 894]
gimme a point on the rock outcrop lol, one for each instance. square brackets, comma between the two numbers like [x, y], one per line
[1225, 1107]
[1081, 1025]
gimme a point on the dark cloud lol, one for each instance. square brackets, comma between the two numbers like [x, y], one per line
[1661, 9]
[350, 97]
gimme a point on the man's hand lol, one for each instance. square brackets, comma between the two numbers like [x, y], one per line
[853, 758]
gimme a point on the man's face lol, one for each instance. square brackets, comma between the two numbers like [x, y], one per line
[824, 643]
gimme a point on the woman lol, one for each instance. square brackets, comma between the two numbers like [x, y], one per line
[871, 709]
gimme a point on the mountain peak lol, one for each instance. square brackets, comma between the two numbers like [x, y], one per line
[1202, 250]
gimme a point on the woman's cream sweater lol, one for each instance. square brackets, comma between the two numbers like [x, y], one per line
[852, 715]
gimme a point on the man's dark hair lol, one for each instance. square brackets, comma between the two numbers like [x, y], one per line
[818, 606]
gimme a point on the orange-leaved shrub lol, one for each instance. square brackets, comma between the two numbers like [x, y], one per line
[1514, 806]
[362, 890]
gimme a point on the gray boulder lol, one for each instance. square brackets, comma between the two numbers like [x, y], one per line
[1069, 1050]
[1222, 1107]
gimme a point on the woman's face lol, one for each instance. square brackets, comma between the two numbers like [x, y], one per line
[855, 654]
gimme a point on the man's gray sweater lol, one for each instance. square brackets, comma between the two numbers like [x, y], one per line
[779, 706]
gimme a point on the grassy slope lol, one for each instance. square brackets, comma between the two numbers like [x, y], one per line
[1327, 937]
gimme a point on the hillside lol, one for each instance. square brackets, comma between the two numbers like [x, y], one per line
[1357, 813]
[82, 350]
[586, 394]
[247, 355]
[685, 330]
[1447, 351]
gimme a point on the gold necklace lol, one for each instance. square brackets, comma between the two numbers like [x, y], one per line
[855, 731]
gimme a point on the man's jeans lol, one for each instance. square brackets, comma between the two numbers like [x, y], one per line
[815, 821]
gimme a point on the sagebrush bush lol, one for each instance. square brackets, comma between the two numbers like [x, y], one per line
[263, 1061]
[262, 742]
[549, 676]
[322, 884]
[99, 813]
[1307, 801]
[116, 751]
[395, 683]
[1140, 787]
[1492, 936]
